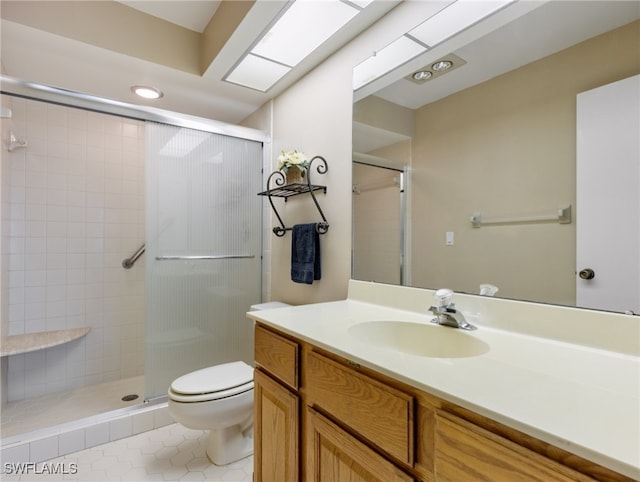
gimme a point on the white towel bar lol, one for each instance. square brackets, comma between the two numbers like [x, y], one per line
[562, 215]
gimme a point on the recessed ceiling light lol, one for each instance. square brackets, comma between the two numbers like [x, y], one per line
[146, 91]
[435, 69]
[421, 75]
[442, 65]
[451, 20]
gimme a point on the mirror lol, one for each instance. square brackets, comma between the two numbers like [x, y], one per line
[496, 137]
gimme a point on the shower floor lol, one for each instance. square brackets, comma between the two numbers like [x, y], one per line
[48, 410]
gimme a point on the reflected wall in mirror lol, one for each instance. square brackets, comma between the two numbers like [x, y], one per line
[502, 143]
[379, 236]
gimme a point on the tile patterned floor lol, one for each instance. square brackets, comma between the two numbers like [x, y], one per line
[171, 453]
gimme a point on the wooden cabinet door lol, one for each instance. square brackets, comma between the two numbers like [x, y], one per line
[334, 455]
[466, 452]
[276, 431]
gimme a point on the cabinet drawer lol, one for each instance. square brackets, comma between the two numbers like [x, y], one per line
[464, 451]
[381, 414]
[277, 355]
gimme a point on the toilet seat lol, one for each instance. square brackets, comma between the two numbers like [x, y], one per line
[213, 383]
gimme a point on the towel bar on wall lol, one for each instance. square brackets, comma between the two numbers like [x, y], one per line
[276, 187]
[562, 215]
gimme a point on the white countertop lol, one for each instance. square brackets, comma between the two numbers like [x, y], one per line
[583, 399]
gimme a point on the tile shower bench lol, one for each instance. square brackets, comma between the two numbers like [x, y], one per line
[16, 344]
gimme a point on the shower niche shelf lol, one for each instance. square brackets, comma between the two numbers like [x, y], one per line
[16, 344]
[277, 187]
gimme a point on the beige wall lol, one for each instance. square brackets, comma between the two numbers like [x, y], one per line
[307, 118]
[383, 114]
[376, 224]
[315, 116]
[507, 147]
[138, 35]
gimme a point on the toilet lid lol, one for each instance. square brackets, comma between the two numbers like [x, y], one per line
[214, 379]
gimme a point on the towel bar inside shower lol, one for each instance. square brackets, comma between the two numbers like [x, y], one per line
[277, 187]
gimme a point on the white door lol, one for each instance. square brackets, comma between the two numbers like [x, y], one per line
[608, 197]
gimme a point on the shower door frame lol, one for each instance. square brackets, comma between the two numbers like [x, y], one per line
[35, 91]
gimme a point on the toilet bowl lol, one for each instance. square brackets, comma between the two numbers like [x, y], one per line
[218, 399]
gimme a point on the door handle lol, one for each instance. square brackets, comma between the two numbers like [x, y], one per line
[587, 273]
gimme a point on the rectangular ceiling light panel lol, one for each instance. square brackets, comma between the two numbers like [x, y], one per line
[455, 18]
[305, 26]
[257, 73]
[392, 56]
[361, 3]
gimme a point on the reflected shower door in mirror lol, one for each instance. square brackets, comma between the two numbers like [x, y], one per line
[378, 224]
[497, 135]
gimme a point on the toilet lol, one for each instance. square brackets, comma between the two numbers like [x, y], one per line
[219, 399]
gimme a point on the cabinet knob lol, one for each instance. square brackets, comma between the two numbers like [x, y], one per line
[587, 273]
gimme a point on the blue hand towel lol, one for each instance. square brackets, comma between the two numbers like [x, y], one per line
[305, 253]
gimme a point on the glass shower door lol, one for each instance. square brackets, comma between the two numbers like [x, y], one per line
[203, 251]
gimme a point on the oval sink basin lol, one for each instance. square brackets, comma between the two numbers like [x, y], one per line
[419, 339]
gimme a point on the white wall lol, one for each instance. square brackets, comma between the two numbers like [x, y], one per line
[76, 205]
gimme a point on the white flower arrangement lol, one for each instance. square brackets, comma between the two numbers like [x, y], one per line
[293, 159]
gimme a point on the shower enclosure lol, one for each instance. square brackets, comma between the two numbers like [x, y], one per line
[202, 253]
[94, 183]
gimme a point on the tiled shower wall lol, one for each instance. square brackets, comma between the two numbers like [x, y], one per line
[76, 198]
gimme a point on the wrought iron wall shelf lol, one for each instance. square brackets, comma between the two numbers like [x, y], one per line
[277, 187]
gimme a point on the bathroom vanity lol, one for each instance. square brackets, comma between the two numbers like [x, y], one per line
[360, 389]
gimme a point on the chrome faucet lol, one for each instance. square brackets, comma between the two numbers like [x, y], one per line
[446, 312]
